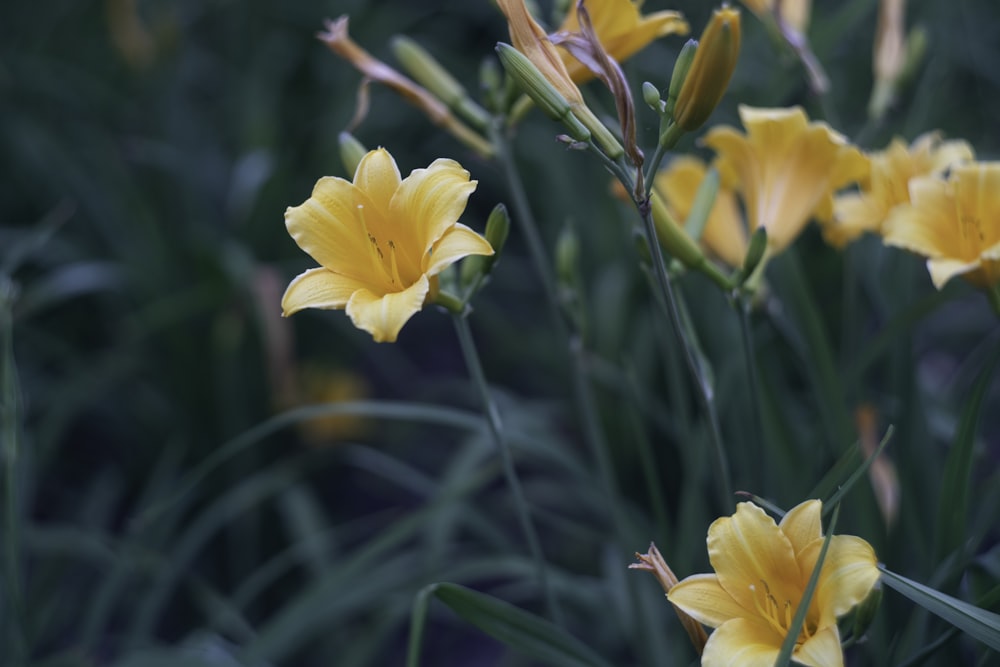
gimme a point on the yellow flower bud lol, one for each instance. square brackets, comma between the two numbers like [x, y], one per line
[713, 66]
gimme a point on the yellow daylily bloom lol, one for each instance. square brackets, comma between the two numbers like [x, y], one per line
[955, 223]
[786, 169]
[381, 241]
[761, 572]
[622, 30]
[725, 234]
[888, 185]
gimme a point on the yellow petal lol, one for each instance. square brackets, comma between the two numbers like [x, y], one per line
[943, 269]
[384, 315]
[822, 649]
[748, 551]
[327, 228]
[724, 234]
[378, 177]
[803, 524]
[529, 38]
[742, 642]
[622, 30]
[428, 202]
[318, 288]
[927, 225]
[705, 600]
[977, 191]
[849, 572]
[457, 242]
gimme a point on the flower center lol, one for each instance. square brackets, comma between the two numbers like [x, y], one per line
[386, 267]
[779, 614]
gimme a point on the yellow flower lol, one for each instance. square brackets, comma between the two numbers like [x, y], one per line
[622, 30]
[954, 223]
[786, 169]
[891, 171]
[761, 573]
[724, 235]
[381, 241]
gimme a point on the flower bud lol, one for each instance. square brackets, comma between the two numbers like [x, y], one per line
[429, 73]
[681, 68]
[755, 251]
[651, 96]
[538, 88]
[351, 151]
[711, 69]
[497, 230]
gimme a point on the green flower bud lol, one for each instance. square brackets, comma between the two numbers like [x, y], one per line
[351, 151]
[681, 67]
[538, 88]
[430, 74]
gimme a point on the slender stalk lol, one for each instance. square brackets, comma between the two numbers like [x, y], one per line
[685, 333]
[11, 425]
[758, 438]
[475, 367]
[586, 405]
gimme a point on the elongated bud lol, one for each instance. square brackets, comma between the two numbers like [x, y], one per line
[755, 253]
[537, 87]
[681, 68]
[497, 230]
[672, 236]
[709, 75]
[430, 74]
[567, 256]
[351, 151]
[701, 207]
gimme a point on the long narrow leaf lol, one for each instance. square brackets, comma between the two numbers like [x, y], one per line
[979, 623]
[954, 498]
[522, 631]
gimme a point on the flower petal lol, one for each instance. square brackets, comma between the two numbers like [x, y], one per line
[383, 316]
[428, 202]
[748, 550]
[705, 600]
[742, 642]
[318, 288]
[822, 649]
[943, 269]
[457, 242]
[803, 524]
[327, 228]
[850, 570]
[927, 225]
[378, 177]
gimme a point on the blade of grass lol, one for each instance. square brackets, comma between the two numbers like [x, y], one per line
[952, 519]
[978, 623]
[522, 631]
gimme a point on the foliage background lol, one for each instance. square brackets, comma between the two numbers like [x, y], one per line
[149, 150]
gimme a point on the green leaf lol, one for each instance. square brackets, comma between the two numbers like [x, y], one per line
[522, 631]
[954, 498]
[835, 499]
[795, 629]
[978, 623]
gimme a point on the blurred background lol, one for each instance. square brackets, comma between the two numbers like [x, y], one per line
[149, 149]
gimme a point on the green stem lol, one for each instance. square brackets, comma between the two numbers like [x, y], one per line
[11, 424]
[471, 355]
[686, 334]
[586, 405]
[758, 438]
[993, 294]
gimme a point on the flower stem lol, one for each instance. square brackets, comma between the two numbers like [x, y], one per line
[685, 333]
[746, 334]
[475, 367]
